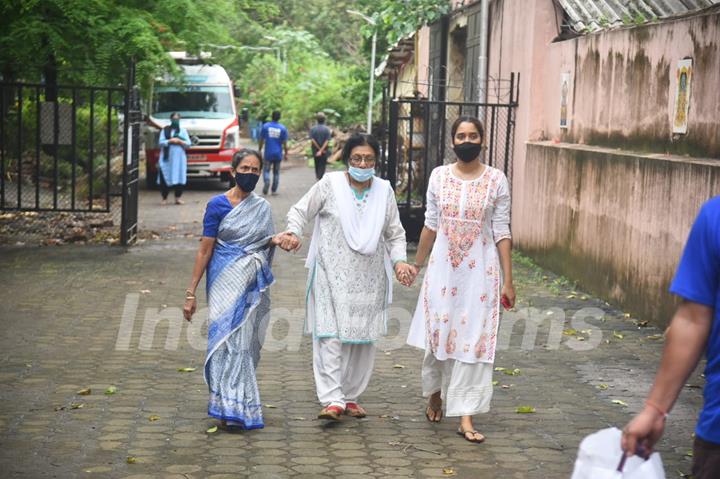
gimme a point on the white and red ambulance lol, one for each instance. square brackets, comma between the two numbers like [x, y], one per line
[204, 98]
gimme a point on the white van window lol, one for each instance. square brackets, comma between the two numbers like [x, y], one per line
[193, 102]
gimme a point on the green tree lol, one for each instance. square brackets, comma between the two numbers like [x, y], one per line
[93, 40]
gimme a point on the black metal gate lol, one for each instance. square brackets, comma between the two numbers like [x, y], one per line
[131, 162]
[419, 140]
[70, 148]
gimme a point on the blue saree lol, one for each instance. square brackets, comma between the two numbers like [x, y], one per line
[238, 278]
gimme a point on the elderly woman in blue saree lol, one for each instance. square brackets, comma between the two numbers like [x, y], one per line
[236, 249]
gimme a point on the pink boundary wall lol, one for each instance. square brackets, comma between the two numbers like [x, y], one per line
[614, 218]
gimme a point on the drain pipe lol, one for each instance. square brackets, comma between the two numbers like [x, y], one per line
[482, 75]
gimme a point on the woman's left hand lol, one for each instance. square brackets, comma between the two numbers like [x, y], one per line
[508, 290]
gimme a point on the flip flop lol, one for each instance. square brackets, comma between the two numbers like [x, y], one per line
[473, 432]
[437, 413]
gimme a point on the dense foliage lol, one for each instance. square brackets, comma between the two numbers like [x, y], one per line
[312, 54]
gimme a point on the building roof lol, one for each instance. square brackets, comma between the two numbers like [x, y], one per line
[591, 15]
[397, 56]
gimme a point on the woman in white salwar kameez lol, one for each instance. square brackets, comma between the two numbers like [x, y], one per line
[357, 242]
[469, 274]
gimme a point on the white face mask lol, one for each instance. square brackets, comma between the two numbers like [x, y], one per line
[361, 174]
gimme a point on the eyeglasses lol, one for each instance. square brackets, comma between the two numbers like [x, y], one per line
[248, 169]
[357, 160]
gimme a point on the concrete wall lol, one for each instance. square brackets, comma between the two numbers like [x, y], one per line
[422, 59]
[613, 220]
[625, 83]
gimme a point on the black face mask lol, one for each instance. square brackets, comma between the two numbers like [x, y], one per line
[246, 181]
[467, 151]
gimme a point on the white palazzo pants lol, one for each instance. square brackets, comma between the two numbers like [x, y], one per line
[465, 388]
[342, 370]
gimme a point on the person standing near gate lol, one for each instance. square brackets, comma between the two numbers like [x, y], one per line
[469, 275]
[273, 137]
[320, 143]
[172, 165]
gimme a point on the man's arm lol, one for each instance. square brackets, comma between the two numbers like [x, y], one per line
[686, 339]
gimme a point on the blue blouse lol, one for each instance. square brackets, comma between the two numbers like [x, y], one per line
[216, 209]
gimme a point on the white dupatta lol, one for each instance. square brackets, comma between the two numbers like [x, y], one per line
[361, 229]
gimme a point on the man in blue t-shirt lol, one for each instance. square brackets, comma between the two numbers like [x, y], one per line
[274, 137]
[694, 328]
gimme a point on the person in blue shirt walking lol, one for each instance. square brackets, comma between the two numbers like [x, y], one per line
[172, 164]
[694, 329]
[274, 137]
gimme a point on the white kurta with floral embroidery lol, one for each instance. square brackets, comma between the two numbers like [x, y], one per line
[458, 310]
[348, 292]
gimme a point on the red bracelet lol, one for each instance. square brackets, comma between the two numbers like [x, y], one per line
[657, 408]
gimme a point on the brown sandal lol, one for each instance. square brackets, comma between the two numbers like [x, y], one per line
[437, 414]
[473, 432]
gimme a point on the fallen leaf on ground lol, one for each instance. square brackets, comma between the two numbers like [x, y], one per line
[654, 337]
[186, 370]
[570, 296]
[514, 372]
[506, 386]
[84, 392]
[270, 406]
[131, 460]
[111, 390]
[494, 383]
[569, 332]
[211, 430]
[525, 410]
[499, 369]
[145, 291]
[626, 315]
[602, 387]
[584, 298]
[618, 335]
[298, 418]
[449, 471]
[619, 402]
[153, 418]
[398, 366]
[76, 405]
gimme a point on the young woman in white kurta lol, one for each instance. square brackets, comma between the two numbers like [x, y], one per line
[467, 224]
[357, 242]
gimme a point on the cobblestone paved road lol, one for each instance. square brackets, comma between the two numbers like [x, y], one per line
[61, 311]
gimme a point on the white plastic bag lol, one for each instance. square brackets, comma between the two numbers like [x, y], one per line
[600, 454]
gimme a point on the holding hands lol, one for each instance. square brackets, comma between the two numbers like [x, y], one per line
[406, 273]
[287, 241]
